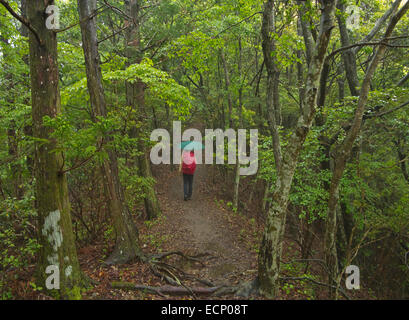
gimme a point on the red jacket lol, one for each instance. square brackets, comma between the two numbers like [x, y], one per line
[189, 163]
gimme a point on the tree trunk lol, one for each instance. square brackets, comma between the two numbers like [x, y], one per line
[18, 191]
[300, 70]
[271, 245]
[348, 55]
[402, 159]
[240, 110]
[273, 77]
[236, 186]
[127, 244]
[264, 204]
[227, 84]
[52, 202]
[12, 141]
[135, 95]
[341, 154]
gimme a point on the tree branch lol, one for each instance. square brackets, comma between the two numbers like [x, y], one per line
[378, 24]
[94, 14]
[83, 162]
[23, 20]
[403, 80]
[372, 43]
[236, 24]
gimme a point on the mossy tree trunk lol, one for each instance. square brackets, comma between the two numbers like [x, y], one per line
[52, 203]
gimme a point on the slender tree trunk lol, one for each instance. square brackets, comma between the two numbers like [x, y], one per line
[28, 129]
[264, 206]
[271, 245]
[236, 186]
[227, 84]
[403, 80]
[12, 141]
[273, 77]
[127, 244]
[402, 159]
[272, 94]
[300, 70]
[378, 24]
[348, 55]
[135, 93]
[240, 110]
[18, 190]
[341, 85]
[169, 128]
[341, 154]
[52, 202]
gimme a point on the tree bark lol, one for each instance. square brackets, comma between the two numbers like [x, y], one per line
[402, 160]
[16, 169]
[52, 203]
[227, 84]
[300, 70]
[12, 141]
[273, 77]
[127, 243]
[240, 124]
[348, 55]
[135, 94]
[378, 25]
[271, 245]
[403, 80]
[341, 154]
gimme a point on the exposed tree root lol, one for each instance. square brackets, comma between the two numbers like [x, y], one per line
[116, 258]
[175, 277]
[166, 290]
[246, 289]
[172, 274]
[243, 290]
[123, 255]
[194, 258]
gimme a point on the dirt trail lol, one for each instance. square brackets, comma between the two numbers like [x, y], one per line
[200, 225]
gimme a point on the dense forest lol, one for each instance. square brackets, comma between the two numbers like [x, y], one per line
[86, 214]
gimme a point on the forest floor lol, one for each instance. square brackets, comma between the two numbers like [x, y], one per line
[206, 226]
[202, 226]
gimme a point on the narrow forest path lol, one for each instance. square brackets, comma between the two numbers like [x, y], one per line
[204, 226]
[201, 225]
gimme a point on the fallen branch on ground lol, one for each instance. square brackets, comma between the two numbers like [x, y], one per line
[194, 258]
[169, 290]
[174, 275]
[243, 290]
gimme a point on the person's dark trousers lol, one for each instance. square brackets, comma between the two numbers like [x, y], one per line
[188, 185]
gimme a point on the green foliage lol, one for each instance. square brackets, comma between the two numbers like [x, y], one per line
[135, 186]
[18, 244]
[81, 143]
[267, 170]
[193, 47]
[308, 192]
[160, 85]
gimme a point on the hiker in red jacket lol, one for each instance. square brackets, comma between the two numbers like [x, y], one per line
[188, 167]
